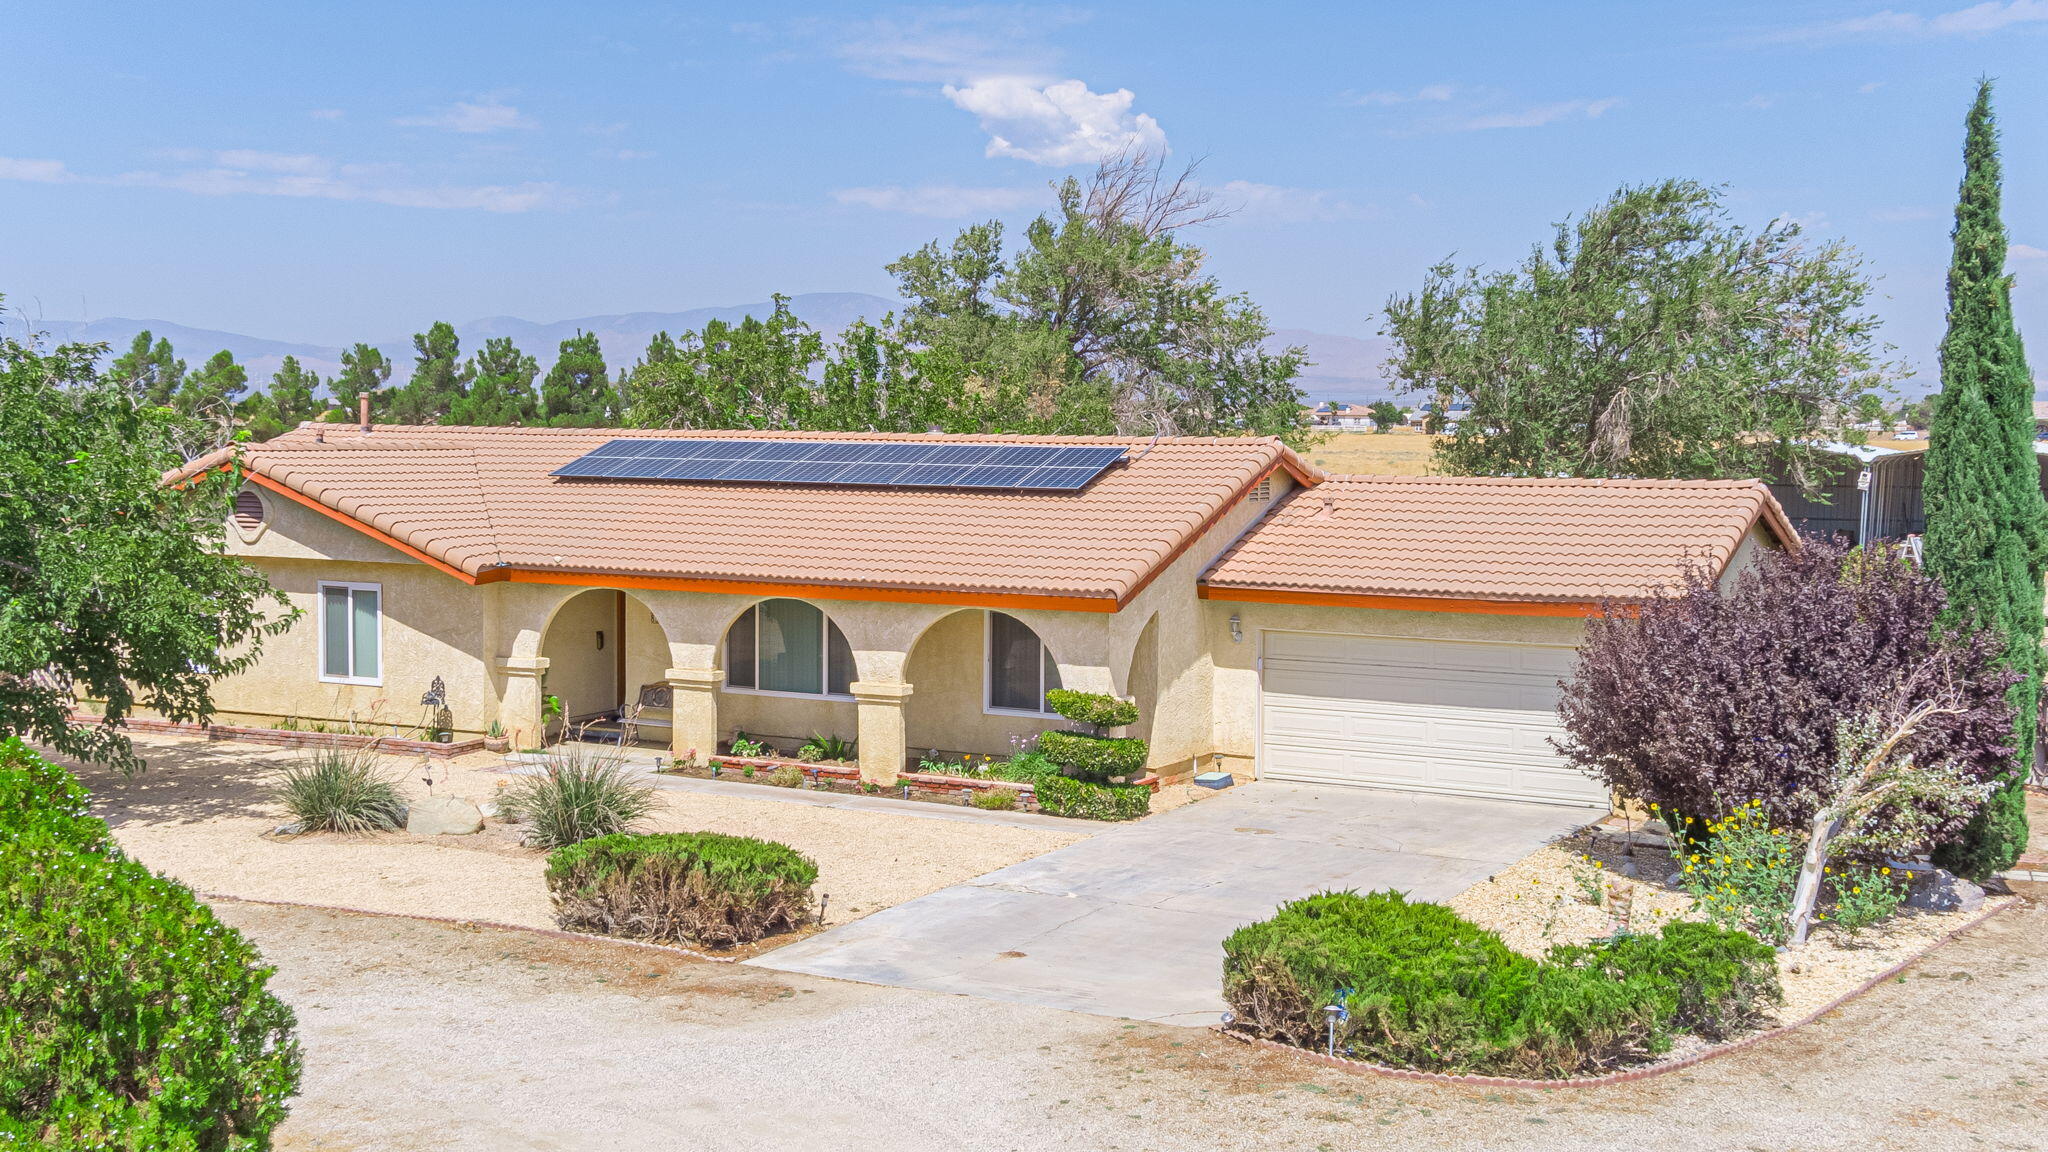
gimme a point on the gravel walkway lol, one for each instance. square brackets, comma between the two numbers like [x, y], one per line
[422, 1036]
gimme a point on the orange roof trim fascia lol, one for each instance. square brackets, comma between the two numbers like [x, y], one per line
[1569, 608]
[809, 591]
[351, 522]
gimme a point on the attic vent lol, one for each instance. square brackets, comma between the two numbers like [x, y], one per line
[248, 509]
[1263, 492]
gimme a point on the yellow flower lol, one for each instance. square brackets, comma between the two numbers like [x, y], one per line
[1886, 871]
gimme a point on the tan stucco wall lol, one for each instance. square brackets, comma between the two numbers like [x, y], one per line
[585, 676]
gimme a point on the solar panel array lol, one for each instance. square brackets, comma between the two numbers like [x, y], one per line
[1033, 467]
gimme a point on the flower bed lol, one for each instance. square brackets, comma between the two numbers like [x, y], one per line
[840, 777]
[295, 737]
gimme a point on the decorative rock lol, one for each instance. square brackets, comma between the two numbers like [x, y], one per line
[488, 809]
[443, 816]
[1674, 880]
[292, 829]
[1937, 890]
[1214, 780]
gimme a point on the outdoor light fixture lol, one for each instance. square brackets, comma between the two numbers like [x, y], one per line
[1236, 629]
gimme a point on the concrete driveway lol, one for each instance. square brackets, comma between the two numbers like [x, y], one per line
[1131, 921]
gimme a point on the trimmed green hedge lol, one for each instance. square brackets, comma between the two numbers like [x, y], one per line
[130, 1018]
[1427, 989]
[1092, 708]
[701, 888]
[1094, 757]
[1066, 796]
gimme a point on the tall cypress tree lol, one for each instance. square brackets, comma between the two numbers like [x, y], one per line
[1987, 526]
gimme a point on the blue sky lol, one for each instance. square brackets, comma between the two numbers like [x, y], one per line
[329, 173]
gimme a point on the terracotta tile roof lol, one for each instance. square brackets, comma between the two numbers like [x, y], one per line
[481, 501]
[1494, 539]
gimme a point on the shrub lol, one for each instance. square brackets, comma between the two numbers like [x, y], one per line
[1066, 796]
[1427, 989]
[1094, 709]
[1718, 695]
[699, 888]
[1864, 897]
[1711, 982]
[826, 748]
[579, 794]
[337, 790]
[130, 1017]
[1091, 755]
[1742, 876]
[1094, 757]
[994, 800]
[747, 749]
[787, 776]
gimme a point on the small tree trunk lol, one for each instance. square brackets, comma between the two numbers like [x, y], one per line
[1806, 894]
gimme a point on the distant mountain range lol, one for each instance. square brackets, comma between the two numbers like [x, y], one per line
[1345, 368]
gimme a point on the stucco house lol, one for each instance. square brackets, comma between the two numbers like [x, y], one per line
[1268, 618]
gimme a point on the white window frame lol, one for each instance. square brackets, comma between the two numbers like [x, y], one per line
[320, 610]
[988, 679]
[824, 657]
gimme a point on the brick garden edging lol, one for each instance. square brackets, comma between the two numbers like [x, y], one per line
[462, 922]
[294, 737]
[1642, 1072]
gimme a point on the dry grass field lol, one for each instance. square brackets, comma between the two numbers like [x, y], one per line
[1398, 453]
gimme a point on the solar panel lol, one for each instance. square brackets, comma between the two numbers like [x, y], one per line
[1035, 467]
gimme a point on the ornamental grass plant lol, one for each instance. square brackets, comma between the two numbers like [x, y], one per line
[340, 790]
[581, 793]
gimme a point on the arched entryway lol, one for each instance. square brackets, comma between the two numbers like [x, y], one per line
[607, 661]
[979, 680]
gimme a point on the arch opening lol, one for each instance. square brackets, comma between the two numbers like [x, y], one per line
[608, 661]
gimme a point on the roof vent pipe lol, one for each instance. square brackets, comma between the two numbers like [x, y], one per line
[363, 409]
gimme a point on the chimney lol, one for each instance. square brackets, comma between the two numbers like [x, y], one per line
[363, 409]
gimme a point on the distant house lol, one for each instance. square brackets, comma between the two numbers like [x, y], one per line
[1353, 417]
[1869, 494]
[2040, 417]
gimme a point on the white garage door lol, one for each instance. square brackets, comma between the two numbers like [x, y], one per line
[1424, 715]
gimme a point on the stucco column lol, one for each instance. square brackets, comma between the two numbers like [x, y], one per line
[693, 700]
[880, 711]
[519, 709]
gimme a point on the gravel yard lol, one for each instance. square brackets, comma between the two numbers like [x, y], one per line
[1574, 892]
[201, 810]
[422, 1036]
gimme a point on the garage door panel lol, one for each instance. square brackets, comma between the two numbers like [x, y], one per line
[1446, 716]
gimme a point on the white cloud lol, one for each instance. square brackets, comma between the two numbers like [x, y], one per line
[944, 201]
[1867, 89]
[2027, 252]
[35, 171]
[242, 172]
[1976, 20]
[1903, 215]
[1427, 94]
[1761, 102]
[1542, 114]
[1290, 205]
[327, 114]
[630, 154]
[485, 115]
[1057, 124]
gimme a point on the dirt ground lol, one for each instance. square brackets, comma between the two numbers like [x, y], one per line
[201, 809]
[423, 1036]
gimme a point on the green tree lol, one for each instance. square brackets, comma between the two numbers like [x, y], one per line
[440, 377]
[220, 381]
[501, 392]
[113, 587]
[363, 369]
[1386, 415]
[149, 370]
[578, 392]
[1103, 314]
[754, 374]
[1653, 337]
[287, 401]
[1987, 528]
[1871, 409]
